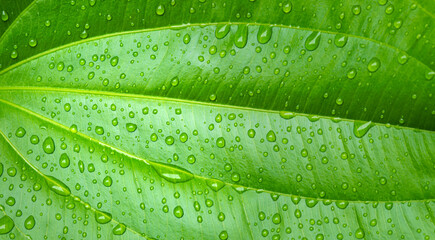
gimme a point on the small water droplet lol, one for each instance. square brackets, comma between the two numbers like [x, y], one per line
[114, 61]
[5, 16]
[33, 42]
[351, 74]
[287, 7]
[131, 127]
[215, 184]
[220, 142]
[270, 136]
[186, 39]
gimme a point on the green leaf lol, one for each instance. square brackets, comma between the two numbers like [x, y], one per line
[217, 120]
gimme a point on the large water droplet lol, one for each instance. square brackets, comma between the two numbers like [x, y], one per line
[119, 229]
[241, 37]
[5, 16]
[33, 42]
[264, 34]
[270, 136]
[57, 186]
[220, 142]
[160, 10]
[102, 217]
[359, 233]
[48, 145]
[313, 40]
[172, 173]
[6, 224]
[29, 223]
[360, 128]
[287, 7]
[222, 30]
[374, 64]
[340, 40]
[114, 61]
[178, 212]
[64, 160]
[215, 184]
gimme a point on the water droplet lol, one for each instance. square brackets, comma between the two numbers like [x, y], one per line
[429, 75]
[313, 40]
[220, 142]
[215, 184]
[270, 136]
[102, 217]
[264, 34]
[222, 30]
[287, 115]
[276, 218]
[360, 128]
[186, 39]
[107, 181]
[356, 9]
[48, 145]
[29, 223]
[241, 38]
[251, 133]
[6, 224]
[172, 173]
[342, 204]
[212, 97]
[131, 127]
[119, 229]
[64, 160]
[99, 130]
[359, 233]
[339, 101]
[5, 16]
[374, 64]
[403, 58]
[287, 7]
[351, 74]
[114, 61]
[14, 54]
[160, 10]
[84, 34]
[169, 140]
[340, 40]
[178, 212]
[191, 159]
[174, 81]
[33, 42]
[223, 235]
[20, 132]
[57, 186]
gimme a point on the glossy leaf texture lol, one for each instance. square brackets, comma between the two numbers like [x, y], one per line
[217, 120]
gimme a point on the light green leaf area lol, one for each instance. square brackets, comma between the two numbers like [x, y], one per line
[242, 124]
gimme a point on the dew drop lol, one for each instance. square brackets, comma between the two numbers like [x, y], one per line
[114, 61]
[361, 128]
[264, 34]
[64, 160]
[286, 115]
[48, 145]
[251, 133]
[287, 7]
[57, 186]
[186, 39]
[215, 184]
[220, 142]
[178, 212]
[131, 127]
[270, 136]
[374, 65]
[29, 223]
[172, 173]
[241, 38]
[20, 132]
[6, 224]
[160, 10]
[169, 140]
[222, 30]
[359, 233]
[107, 181]
[102, 217]
[313, 40]
[33, 42]
[340, 40]
[174, 81]
[356, 9]
[119, 229]
[351, 74]
[5, 16]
